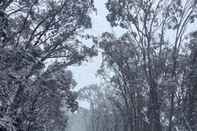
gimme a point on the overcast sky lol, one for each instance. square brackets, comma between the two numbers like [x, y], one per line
[85, 73]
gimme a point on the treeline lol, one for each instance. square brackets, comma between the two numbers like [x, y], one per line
[150, 72]
[39, 39]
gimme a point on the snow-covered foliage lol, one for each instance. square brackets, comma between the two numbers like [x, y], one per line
[33, 95]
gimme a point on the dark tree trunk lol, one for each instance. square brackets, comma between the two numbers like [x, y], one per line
[17, 101]
[171, 111]
[193, 109]
[154, 109]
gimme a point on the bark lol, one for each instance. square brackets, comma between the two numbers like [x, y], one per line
[154, 109]
[171, 112]
[192, 112]
[193, 108]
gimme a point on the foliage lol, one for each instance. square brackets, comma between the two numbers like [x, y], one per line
[38, 40]
[148, 65]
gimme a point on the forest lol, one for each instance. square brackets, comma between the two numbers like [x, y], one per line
[147, 77]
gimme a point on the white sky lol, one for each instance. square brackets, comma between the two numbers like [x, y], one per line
[85, 73]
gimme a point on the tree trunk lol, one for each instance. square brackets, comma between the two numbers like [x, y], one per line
[193, 108]
[171, 111]
[192, 111]
[154, 109]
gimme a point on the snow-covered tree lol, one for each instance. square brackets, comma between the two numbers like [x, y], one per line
[39, 39]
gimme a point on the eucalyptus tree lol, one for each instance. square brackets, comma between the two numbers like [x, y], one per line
[38, 39]
[120, 57]
[92, 94]
[103, 116]
[157, 29]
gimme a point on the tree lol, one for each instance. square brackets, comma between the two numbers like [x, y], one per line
[38, 40]
[148, 24]
[103, 116]
[128, 80]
